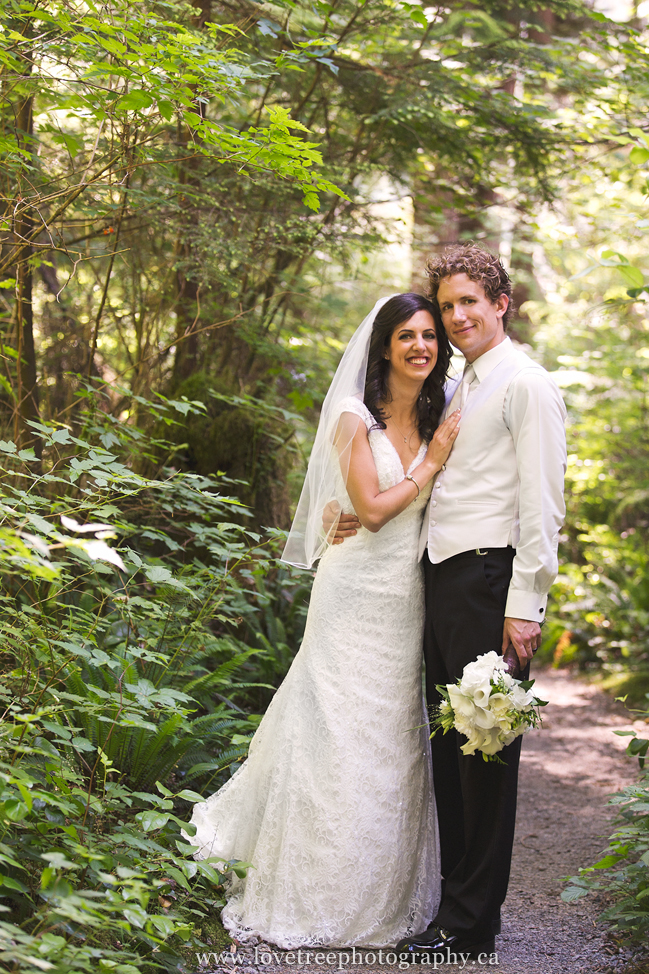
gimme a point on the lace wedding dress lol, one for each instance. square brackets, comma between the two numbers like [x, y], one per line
[334, 806]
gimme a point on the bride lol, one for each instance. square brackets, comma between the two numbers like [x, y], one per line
[334, 805]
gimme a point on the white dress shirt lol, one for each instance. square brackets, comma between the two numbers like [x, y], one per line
[503, 482]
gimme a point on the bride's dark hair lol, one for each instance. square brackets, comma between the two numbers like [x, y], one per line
[397, 311]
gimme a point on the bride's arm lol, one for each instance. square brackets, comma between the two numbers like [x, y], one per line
[374, 507]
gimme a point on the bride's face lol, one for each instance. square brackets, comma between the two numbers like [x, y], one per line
[412, 351]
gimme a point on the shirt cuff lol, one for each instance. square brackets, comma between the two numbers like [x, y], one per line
[526, 605]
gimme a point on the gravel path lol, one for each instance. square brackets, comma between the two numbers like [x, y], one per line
[567, 771]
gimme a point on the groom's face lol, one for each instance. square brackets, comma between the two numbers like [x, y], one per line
[473, 323]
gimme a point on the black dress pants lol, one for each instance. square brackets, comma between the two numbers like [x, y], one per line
[476, 800]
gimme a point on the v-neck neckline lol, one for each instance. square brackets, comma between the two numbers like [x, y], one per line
[396, 453]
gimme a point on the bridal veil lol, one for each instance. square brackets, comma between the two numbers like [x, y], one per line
[308, 539]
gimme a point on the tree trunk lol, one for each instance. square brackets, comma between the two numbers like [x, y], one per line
[187, 287]
[27, 391]
[434, 231]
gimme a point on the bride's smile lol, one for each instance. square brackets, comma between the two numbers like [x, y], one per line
[412, 352]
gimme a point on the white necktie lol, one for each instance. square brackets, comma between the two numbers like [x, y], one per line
[461, 393]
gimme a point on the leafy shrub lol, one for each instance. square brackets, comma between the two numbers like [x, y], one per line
[604, 603]
[625, 866]
[124, 679]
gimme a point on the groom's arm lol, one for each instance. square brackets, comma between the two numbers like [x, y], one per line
[535, 415]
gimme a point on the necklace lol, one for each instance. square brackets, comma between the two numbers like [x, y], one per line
[400, 431]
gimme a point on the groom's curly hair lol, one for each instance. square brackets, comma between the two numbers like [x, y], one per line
[479, 265]
[430, 404]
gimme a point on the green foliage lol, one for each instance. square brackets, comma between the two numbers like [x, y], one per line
[593, 333]
[161, 192]
[623, 872]
[130, 67]
[120, 669]
[122, 150]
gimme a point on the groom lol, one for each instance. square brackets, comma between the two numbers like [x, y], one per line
[489, 544]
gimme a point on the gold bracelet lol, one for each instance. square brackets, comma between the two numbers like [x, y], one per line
[412, 479]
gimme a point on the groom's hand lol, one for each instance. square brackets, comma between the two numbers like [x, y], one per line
[348, 524]
[525, 637]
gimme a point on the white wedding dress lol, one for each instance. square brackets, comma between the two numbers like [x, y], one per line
[334, 806]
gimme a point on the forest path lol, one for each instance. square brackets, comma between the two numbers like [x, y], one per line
[563, 822]
[567, 771]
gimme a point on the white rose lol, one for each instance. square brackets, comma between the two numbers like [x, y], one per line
[482, 668]
[492, 658]
[521, 699]
[474, 680]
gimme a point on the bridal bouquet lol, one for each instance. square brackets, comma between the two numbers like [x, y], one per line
[488, 706]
